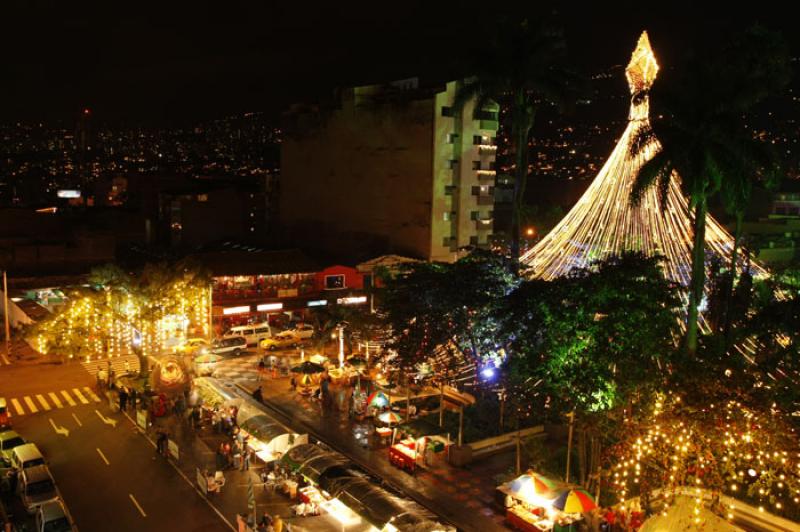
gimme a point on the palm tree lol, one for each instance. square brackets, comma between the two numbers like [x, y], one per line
[703, 136]
[524, 67]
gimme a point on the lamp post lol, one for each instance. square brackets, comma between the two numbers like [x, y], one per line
[5, 314]
[340, 331]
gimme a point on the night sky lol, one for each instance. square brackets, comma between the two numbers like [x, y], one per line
[137, 62]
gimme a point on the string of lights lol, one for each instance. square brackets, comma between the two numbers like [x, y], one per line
[604, 222]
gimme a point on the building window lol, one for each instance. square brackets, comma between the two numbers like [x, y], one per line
[485, 114]
[476, 165]
[452, 164]
[368, 281]
[449, 190]
[452, 138]
[474, 215]
[448, 240]
[334, 282]
[447, 111]
[473, 241]
[446, 217]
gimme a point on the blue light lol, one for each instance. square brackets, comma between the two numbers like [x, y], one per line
[487, 373]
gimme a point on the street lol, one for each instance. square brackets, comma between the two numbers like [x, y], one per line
[105, 469]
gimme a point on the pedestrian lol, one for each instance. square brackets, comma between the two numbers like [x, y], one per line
[261, 366]
[246, 456]
[220, 457]
[241, 523]
[112, 376]
[195, 417]
[258, 395]
[228, 458]
[293, 384]
[163, 439]
[123, 399]
[277, 524]
[132, 399]
[158, 443]
[237, 455]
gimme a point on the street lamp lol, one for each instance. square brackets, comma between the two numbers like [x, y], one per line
[340, 330]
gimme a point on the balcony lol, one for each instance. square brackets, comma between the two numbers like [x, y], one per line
[486, 175]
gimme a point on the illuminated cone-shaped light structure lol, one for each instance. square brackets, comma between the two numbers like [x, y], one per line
[604, 222]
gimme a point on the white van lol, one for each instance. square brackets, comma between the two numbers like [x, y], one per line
[252, 333]
[25, 456]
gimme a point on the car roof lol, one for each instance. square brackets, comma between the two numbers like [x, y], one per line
[37, 473]
[53, 510]
[26, 452]
[9, 435]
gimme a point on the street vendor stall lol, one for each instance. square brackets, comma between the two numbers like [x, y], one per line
[535, 503]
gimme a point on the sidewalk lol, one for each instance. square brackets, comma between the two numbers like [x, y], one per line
[443, 489]
[195, 452]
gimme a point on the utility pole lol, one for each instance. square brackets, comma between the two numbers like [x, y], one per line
[571, 417]
[5, 314]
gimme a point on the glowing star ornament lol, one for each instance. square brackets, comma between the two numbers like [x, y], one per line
[604, 221]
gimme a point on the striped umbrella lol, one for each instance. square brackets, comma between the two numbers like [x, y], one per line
[575, 501]
[305, 380]
[390, 418]
[543, 484]
[378, 399]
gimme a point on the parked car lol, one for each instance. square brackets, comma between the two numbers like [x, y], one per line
[36, 487]
[252, 333]
[54, 517]
[192, 346]
[8, 441]
[304, 331]
[281, 341]
[5, 419]
[229, 346]
[25, 456]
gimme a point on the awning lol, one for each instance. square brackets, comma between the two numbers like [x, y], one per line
[260, 426]
[297, 456]
[371, 502]
[316, 467]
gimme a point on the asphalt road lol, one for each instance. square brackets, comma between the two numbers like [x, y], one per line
[107, 473]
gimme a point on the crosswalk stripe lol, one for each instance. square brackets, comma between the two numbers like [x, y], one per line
[80, 396]
[68, 398]
[44, 403]
[91, 394]
[31, 405]
[55, 399]
[18, 407]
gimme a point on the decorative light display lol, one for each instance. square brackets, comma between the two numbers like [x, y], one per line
[707, 452]
[604, 221]
[104, 323]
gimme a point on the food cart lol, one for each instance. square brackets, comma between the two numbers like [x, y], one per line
[535, 503]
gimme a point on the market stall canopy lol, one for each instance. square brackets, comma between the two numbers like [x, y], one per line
[308, 368]
[390, 418]
[297, 456]
[377, 399]
[259, 425]
[371, 502]
[315, 468]
[532, 484]
[574, 501]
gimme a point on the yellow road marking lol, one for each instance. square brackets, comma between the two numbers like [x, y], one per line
[135, 502]
[91, 394]
[18, 406]
[44, 403]
[68, 398]
[31, 406]
[102, 456]
[55, 399]
[80, 396]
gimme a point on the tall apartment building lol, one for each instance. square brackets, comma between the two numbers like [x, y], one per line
[390, 169]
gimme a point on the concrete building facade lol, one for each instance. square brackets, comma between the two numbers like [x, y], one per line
[390, 169]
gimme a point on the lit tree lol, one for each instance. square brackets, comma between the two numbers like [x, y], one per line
[703, 139]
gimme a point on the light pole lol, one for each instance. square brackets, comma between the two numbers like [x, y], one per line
[340, 331]
[5, 314]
